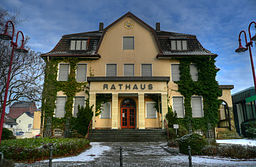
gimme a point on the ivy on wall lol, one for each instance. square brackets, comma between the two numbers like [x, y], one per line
[206, 86]
[51, 87]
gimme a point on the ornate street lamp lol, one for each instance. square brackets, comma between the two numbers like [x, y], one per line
[248, 46]
[6, 36]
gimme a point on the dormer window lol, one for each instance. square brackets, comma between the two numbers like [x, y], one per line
[78, 44]
[179, 45]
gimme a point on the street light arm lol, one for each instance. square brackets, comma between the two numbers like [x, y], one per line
[249, 29]
[6, 28]
[22, 41]
[245, 37]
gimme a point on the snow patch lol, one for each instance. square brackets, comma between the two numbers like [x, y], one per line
[88, 155]
[204, 160]
[248, 142]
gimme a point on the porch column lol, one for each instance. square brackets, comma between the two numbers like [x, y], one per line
[114, 111]
[164, 107]
[141, 111]
[92, 101]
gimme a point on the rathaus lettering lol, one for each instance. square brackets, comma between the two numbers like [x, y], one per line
[127, 87]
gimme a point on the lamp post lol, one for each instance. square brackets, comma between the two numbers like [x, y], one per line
[248, 46]
[6, 36]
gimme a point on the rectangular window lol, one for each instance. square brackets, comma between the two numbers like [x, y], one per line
[146, 70]
[105, 111]
[78, 45]
[128, 43]
[111, 70]
[197, 107]
[179, 45]
[129, 70]
[175, 72]
[79, 101]
[73, 45]
[60, 107]
[81, 72]
[63, 72]
[193, 72]
[151, 110]
[178, 106]
[173, 45]
[184, 45]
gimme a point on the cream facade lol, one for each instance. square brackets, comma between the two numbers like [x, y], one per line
[128, 61]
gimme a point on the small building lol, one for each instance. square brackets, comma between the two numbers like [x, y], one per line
[24, 125]
[244, 103]
[9, 123]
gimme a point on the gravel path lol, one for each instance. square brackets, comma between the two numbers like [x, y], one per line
[135, 154]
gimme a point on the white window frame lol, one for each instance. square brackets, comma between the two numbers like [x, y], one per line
[182, 41]
[59, 70]
[202, 106]
[106, 69]
[171, 70]
[147, 109]
[151, 69]
[182, 105]
[127, 36]
[54, 112]
[86, 71]
[110, 111]
[80, 41]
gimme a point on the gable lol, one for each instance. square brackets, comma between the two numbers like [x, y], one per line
[111, 44]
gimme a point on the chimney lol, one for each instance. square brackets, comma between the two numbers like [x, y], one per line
[157, 26]
[101, 25]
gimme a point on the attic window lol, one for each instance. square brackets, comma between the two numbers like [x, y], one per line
[179, 45]
[78, 45]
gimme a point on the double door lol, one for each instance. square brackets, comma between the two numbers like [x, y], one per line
[128, 117]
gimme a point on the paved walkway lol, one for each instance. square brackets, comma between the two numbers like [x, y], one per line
[136, 154]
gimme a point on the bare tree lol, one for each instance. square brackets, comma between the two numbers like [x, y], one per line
[27, 70]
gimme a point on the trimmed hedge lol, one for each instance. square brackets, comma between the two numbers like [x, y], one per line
[30, 150]
[230, 150]
[195, 141]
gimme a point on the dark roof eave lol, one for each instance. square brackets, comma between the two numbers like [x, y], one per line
[95, 56]
[175, 56]
[128, 79]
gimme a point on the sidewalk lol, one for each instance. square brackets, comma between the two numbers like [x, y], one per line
[136, 154]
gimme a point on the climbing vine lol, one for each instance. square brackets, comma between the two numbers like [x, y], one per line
[206, 86]
[51, 87]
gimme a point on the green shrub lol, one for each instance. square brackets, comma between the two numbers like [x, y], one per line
[171, 117]
[7, 134]
[249, 129]
[31, 150]
[237, 151]
[195, 141]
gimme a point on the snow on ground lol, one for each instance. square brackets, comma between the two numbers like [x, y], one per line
[248, 142]
[205, 160]
[88, 155]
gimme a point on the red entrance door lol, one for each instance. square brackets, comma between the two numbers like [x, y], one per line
[128, 114]
[128, 118]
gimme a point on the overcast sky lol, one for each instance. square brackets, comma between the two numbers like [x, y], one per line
[216, 23]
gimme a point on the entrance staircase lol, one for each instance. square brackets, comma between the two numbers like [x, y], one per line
[128, 135]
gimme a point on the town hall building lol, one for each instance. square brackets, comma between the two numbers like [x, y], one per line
[135, 65]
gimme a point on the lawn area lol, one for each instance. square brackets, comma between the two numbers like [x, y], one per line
[30, 150]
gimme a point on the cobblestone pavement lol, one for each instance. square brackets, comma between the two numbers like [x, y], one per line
[144, 154]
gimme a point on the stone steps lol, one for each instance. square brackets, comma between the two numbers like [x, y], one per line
[128, 135]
